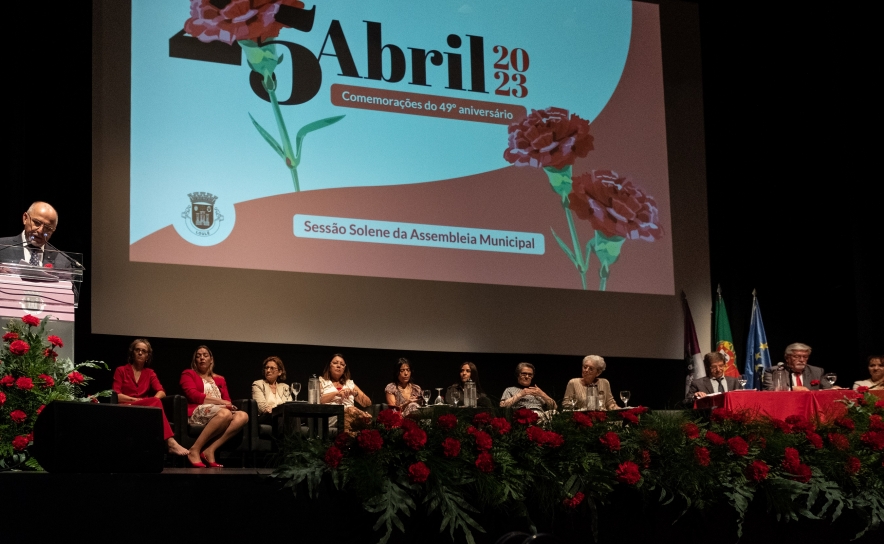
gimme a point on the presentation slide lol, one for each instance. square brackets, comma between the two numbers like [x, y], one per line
[483, 142]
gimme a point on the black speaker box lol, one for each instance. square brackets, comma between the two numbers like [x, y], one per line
[87, 437]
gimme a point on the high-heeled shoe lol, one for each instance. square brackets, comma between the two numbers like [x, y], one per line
[194, 465]
[209, 463]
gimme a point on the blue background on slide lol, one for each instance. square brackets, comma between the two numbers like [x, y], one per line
[191, 129]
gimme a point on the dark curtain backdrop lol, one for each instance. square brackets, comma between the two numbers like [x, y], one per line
[788, 214]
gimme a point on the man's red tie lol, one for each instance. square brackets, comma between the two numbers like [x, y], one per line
[798, 380]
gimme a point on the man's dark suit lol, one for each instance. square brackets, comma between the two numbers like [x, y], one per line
[16, 253]
[810, 374]
[705, 385]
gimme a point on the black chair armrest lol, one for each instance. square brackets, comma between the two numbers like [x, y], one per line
[175, 407]
[114, 398]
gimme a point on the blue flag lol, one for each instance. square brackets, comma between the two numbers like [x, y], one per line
[757, 352]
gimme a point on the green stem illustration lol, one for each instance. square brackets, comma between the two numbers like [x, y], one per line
[560, 180]
[581, 265]
[290, 160]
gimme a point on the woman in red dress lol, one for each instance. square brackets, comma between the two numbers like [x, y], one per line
[208, 403]
[136, 384]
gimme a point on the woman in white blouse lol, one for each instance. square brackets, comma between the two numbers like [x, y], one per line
[270, 392]
[336, 387]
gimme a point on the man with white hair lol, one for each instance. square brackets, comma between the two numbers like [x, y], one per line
[32, 245]
[802, 376]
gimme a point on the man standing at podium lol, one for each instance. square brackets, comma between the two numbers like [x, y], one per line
[32, 245]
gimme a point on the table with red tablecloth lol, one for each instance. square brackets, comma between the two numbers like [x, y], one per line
[825, 404]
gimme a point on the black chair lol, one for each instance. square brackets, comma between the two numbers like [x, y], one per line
[186, 434]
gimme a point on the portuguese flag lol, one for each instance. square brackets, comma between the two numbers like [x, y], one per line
[724, 340]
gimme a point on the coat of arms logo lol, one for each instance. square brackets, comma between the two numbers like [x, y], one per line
[202, 217]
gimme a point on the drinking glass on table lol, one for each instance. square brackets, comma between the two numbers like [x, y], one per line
[455, 396]
[831, 376]
[296, 388]
[743, 381]
[426, 394]
[624, 396]
[439, 399]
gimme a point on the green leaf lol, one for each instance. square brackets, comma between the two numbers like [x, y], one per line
[268, 138]
[392, 500]
[565, 248]
[306, 129]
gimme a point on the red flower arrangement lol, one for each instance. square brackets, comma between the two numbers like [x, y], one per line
[525, 416]
[862, 389]
[651, 435]
[549, 438]
[237, 20]
[874, 439]
[839, 441]
[2, 398]
[628, 473]
[853, 465]
[614, 206]
[646, 458]
[738, 446]
[418, 472]
[76, 378]
[18, 416]
[482, 418]
[19, 347]
[48, 381]
[720, 415]
[876, 423]
[714, 438]
[548, 138]
[701, 455]
[415, 437]
[370, 440]
[574, 501]
[30, 320]
[582, 419]
[20, 443]
[7, 381]
[451, 447]
[49, 353]
[484, 462]
[24, 383]
[390, 419]
[447, 422]
[483, 439]
[333, 457]
[879, 403]
[501, 425]
[629, 417]
[10, 336]
[845, 422]
[55, 341]
[691, 431]
[800, 423]
[792, 463]
[815, 439]
[757, 470]
[612, 440]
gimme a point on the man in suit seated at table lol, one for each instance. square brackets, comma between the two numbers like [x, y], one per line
[716, 382]
[802, 376]
[32, 245]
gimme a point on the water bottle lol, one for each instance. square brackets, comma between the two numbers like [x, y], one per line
[470, 394]
[780, 378]
[592, 397]
[313, 390]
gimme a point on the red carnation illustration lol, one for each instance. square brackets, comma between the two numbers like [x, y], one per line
[551, 138]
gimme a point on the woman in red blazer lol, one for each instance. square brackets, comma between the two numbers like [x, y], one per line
[208, 403]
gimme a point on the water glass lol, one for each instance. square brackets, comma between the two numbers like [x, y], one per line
[296, 388]
[624, 396]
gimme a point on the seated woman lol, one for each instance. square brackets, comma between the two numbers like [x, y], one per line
[208, 403]
[526, 394]
[468, 371]
[137, 385]
[270, 392]
[575, 393]
[403, 394]
[876, 373]
[336, 387]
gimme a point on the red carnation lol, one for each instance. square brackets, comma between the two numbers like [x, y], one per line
[547, 438]
[76, 378]
[415, 437]
[845, 422]
[47, 380]
[875, 423]
[839, 441]
[7, 380]
[879, 403]
[10, 336]
[55, 341]
[794, 466]
[19, 443]
[611, 440]
[548, 138]
[852, 465]
[24, 383]
[790, 458]
[583, 419]
[18, 416]
[629, 416]
[483, 440]
[599, 416]
[800, 423]
[721, 415]
[815, 439]
[484, 462]
[48, 265]
[451, 447]
[49, 353]
[781, 425]
[814, 383]
[628, 473]
[418, 472]
[501, 425]
[390, 419]
[482, 418]
[875, 439]
[862, 389]
[701, 455]
[691, 430]
[19, 347]
[40, 409]
[525, 416]
[759, 439]
[333, 457]
[614, 206]
[2, 398]
[30, 320]
[738, 446]
[651, 435]
[574, 501]
[237, 20]
[639, 410]
[646, 458]
[714, 438]
[447, 422]
[757, 470]
[342, 440]
[370, 440]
